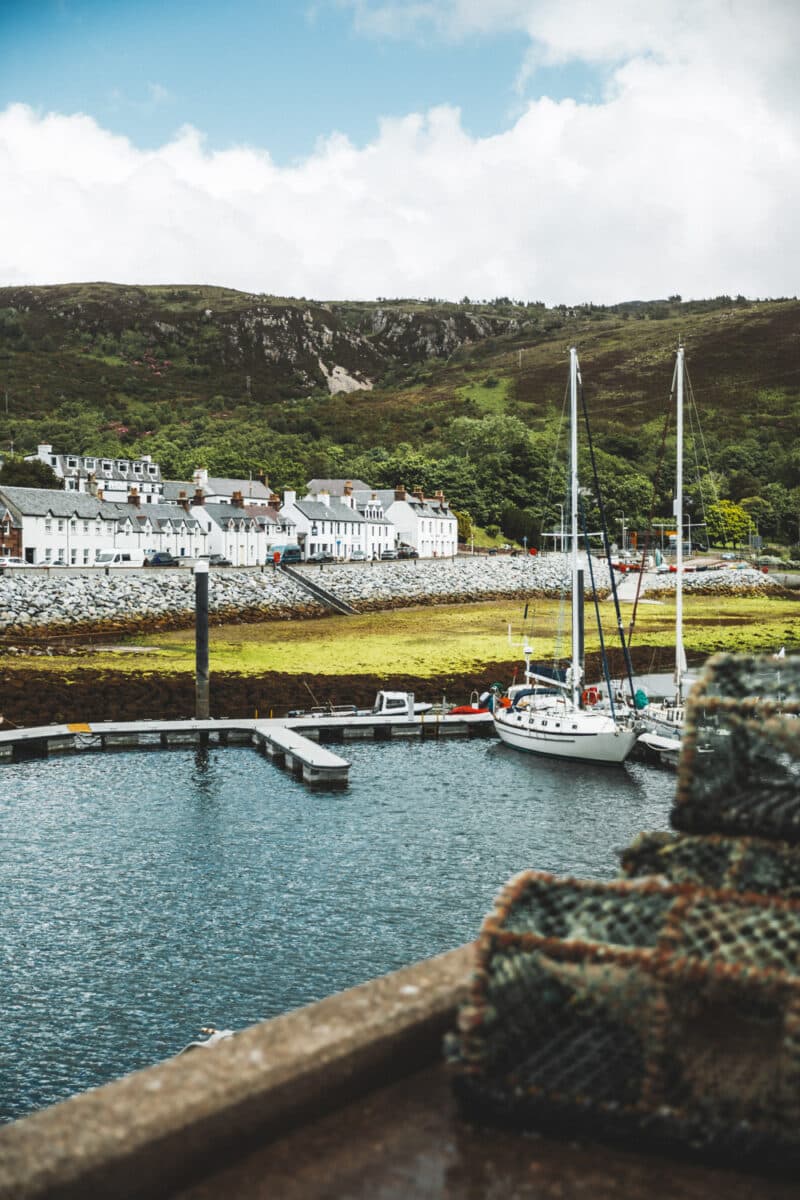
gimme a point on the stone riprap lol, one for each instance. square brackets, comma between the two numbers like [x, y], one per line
[31, 600]
[739, 581]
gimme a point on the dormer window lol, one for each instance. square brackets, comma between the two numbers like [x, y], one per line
[123, 468]
[152, 470]
[89, 464]
[137, 468]
[72, 462]
[106, 466]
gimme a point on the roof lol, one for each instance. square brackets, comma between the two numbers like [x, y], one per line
[429, 507]
[317, 510]
[335, 487]
[174, 487]
[231, 514]
[52, 502]
[92, 464]
[43, 502]
[251, 489]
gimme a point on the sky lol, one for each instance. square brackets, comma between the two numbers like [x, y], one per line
[557, 150]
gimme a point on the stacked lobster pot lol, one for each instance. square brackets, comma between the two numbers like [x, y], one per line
[662, 1008]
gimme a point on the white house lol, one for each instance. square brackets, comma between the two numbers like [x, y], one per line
[71, 528]
[114, 477]
[427, 524]
[327, 524]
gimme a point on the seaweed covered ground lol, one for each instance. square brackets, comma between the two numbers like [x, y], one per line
[30, 697]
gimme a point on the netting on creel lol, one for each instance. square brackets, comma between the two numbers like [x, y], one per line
[637, 1009]
[716, 861]
[739, 770]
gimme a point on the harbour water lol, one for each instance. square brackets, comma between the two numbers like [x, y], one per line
[147, 894]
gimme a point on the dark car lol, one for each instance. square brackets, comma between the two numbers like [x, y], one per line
[320, 556]
[161, 558]
[219, 560]
[407, 552]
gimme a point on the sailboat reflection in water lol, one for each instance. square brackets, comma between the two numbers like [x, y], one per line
[564, 721]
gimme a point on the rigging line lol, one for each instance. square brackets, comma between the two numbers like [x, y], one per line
[603, 657]
[654, 494]
[606, 546]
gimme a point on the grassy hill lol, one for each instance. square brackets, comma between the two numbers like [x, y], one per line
[466, 396]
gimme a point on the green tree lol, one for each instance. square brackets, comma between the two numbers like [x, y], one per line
[15, 472]
[727, 523]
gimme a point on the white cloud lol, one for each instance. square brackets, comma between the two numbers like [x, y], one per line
[686, 178]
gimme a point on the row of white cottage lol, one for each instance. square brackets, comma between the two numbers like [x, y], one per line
[244, 523]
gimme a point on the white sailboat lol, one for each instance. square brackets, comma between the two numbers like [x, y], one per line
[566, 724]
[664, 723]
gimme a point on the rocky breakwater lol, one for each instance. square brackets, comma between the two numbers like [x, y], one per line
[34, 601]
[738, 581]
[369, 586]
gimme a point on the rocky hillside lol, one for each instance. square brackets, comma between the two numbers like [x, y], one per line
[94, 337]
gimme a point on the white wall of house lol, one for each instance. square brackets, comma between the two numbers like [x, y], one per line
[322, 523]
[421, 523]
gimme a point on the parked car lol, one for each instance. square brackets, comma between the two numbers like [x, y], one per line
[729, 556]
[161, 558]
[320, 556]
[219, 560]
[10, 560]
[290, 553]
[407, 552]
[388, 554]
[358, 556]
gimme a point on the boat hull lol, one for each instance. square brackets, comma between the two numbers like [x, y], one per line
[584, 736]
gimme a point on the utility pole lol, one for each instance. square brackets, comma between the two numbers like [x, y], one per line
[201, 707]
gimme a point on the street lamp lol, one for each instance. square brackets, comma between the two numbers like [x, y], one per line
[525, 543]
[561, 527]
[624, 543]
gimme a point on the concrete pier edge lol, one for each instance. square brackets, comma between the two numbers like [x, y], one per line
[171, 1124]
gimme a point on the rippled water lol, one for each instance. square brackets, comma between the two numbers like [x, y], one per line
[146, 894]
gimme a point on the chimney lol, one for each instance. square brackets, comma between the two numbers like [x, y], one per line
[419, 494]
[324, 498]
[91, 483]
[199, 498]
[99, 493]
[274, 500]
[348, 488]
[237, 500]
[289, 497]
[134, 498]
[400, 492]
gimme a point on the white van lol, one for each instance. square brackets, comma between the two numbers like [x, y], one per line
[119, 558]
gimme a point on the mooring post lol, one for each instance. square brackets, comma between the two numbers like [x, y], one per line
[201, 640]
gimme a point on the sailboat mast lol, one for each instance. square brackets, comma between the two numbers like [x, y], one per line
[573, 470]
[679, 652]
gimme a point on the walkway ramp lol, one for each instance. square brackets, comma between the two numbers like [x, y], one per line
[319, 592]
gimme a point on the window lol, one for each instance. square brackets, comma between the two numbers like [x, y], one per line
[73, 525]
[62, 525]
[89, 464]
[72, 462]
[85, 526]
[48, 525]
[73, 557]
[85, 556]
